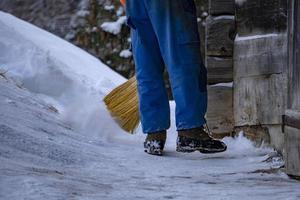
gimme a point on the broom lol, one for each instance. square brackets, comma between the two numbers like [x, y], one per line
[122, 103]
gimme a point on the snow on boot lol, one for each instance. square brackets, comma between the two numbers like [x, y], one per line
[155, 142]
[198, 139]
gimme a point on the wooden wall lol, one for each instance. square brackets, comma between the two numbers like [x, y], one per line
[219, 41]
[261, 16]
[263, 60]
[260, 66]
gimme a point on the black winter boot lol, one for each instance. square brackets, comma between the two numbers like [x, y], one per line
[155, 143]
[198, 139]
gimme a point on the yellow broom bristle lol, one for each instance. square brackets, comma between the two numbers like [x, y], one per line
[122, 103]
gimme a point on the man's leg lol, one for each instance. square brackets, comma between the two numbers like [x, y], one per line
[153, 99]
[175, 25]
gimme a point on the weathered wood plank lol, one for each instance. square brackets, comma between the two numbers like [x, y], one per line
[220, 110]
[276, 137]
[292, 114]
[221, 7]
[292, 151]
[291, 119]
[260, 99]
[220, 70]
[220, 34]
[260, 56]
[294, 57]
[261, 16]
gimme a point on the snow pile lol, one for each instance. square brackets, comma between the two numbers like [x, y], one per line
[65, 76]
[240, 146]
[114, 27]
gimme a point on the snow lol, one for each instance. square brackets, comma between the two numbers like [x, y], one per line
[80, 153]
[227, 17]
[70, 36]
[109, 7]
[82, 13]
[114, 27]
[292, 113]
[120, 11]
[126, 53]
[253, 37]
[204, 14]
[51, 50]
[240, 2]
[230, 84]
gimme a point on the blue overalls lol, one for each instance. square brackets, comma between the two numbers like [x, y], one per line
[165, 33]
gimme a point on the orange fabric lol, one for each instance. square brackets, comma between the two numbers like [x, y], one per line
[123, 2]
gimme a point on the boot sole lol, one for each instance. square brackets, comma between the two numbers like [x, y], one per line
[185, 149]
[200, 149]
[155, 152]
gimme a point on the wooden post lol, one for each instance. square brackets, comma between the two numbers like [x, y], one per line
[292, 116]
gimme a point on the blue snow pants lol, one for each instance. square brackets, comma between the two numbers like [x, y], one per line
[164, 33]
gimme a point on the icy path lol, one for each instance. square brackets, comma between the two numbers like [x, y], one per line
[43, 158]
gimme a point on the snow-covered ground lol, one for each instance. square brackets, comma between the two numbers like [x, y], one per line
[57, 140]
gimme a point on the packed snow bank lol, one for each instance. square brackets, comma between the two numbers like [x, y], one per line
[67, 77]
[28, 51]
